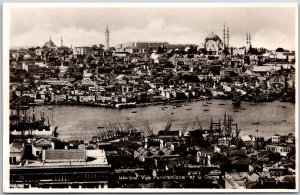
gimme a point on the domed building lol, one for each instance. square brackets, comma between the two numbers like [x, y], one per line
[50, 44]
[213, 44]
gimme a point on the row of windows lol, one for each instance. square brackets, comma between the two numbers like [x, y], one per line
[279, 150]
[59, 177]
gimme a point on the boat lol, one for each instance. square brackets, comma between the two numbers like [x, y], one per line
[283, 106]
[221, 104]
[204, 105]
[126, 105]
[134, 111]
[188, 109]
[208, 102]
[255, 123]
[206, 110]
[235, 111]
[236, 101]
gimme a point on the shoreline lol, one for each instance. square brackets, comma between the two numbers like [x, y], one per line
[134, 104]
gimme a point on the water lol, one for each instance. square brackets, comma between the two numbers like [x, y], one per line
[81, 122]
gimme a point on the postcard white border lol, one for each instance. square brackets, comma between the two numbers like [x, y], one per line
[5, 17]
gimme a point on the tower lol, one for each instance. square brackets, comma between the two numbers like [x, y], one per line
[248, 41]
[61, 42]
[227, 36]
[107, 38]
[224, 37]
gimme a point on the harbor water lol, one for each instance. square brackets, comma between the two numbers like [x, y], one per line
[261, 119]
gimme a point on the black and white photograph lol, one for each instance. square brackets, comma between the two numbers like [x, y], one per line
[185, 97]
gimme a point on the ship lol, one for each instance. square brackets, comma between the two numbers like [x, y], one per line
[126, 105]
[24, 126]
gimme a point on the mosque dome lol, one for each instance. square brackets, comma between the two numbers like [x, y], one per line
[212, 36]
[49, 44]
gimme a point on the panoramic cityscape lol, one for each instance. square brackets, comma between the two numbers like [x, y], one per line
[153, 112]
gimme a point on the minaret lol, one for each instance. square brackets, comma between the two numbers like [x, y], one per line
[227, 36]
[224, 37]
[61, 42]
[107, 38]
[248, 41]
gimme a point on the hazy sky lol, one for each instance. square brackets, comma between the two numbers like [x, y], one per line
[269, 27]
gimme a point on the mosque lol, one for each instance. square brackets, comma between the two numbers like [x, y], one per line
[49, 44]
[213, 43]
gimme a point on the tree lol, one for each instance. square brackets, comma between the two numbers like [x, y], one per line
[279, 49]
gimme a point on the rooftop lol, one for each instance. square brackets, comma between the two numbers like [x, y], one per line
[70, 158]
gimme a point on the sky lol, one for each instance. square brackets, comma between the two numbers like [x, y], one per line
[270, 27]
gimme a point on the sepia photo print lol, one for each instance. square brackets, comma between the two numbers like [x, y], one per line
[150, 97]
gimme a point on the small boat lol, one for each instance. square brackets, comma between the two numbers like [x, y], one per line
[283, 106]
[206, 110]
[235, 111]
[100, 127]
[172, 113]
[255, 123]
[134, 111]
[208, 102]
[221, 104]
[188, 109]
[236, 103]
[204, 105]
